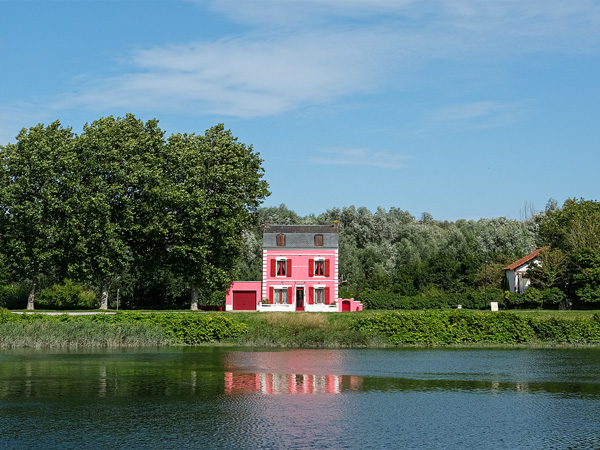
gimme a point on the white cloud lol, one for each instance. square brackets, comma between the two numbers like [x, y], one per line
[359, 157]
[246, 76]
[314, 52]
[545, 24]
[482, 114]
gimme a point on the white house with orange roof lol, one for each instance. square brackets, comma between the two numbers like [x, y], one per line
[516, 273]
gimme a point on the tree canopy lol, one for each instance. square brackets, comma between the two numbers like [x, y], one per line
[572, 262]
[119, 202]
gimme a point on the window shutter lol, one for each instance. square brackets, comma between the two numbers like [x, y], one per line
[290, 299]
[327, 300]
[271, 295]
[326, 267]
[311, 267]
[273, 264]
[311, 296]
[289, 268]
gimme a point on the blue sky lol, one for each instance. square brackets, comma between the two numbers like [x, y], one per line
[462, 108]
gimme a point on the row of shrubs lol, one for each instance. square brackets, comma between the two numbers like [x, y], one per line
[295, 330]
[455, 327]
[184, 328]
[432, 299]
[59, 296]
[68, 295]
[533, 298]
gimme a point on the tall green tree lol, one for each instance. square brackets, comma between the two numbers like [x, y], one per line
[34, 193]
[212, 185]
[573, 232]
[117, 173]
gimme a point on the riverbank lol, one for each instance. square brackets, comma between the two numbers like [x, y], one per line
[378, 329]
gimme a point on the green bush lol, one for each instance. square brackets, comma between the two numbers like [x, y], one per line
[442, 328]
[534, 298]
[450, 327]
[67, 295]
[432, 299]
[575, 331]
[185, 328]
[197, 328]
[6, 315]
[14, 296]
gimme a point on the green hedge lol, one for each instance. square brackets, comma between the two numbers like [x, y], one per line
[453, 327]
[534, 298]
[183, 328]
[576, 331]
[373, 299]
[14, 295]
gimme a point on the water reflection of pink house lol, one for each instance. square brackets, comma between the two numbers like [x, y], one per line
[276, 383]
[300, 273]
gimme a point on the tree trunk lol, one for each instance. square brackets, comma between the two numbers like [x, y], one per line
[194, 303]
[104, 294]
[31, 297]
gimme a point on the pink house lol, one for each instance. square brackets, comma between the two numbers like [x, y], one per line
[300, 273]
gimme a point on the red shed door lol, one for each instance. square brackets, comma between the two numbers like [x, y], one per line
[346, 305]
[244, 300]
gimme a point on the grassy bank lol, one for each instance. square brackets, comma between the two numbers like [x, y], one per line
[302, 330]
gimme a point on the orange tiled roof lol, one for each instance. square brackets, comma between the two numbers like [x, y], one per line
[525, 259]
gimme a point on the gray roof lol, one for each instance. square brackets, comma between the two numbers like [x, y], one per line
[301, 236]
[315, 229]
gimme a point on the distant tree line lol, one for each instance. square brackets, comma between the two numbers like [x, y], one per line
[392, 260]
[122, 210]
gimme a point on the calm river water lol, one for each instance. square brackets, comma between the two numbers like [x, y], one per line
[181, 398]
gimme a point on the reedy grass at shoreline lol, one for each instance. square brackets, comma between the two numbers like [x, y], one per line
[49, 334]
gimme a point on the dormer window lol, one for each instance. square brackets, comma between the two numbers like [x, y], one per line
[280, 240]
[318, 240]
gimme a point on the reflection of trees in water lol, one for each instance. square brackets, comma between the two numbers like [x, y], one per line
[203, 374]
[45, 379]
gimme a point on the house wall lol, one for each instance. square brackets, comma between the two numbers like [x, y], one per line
[517, 279]
[299, 260]
[510, 277]
[521, 281]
